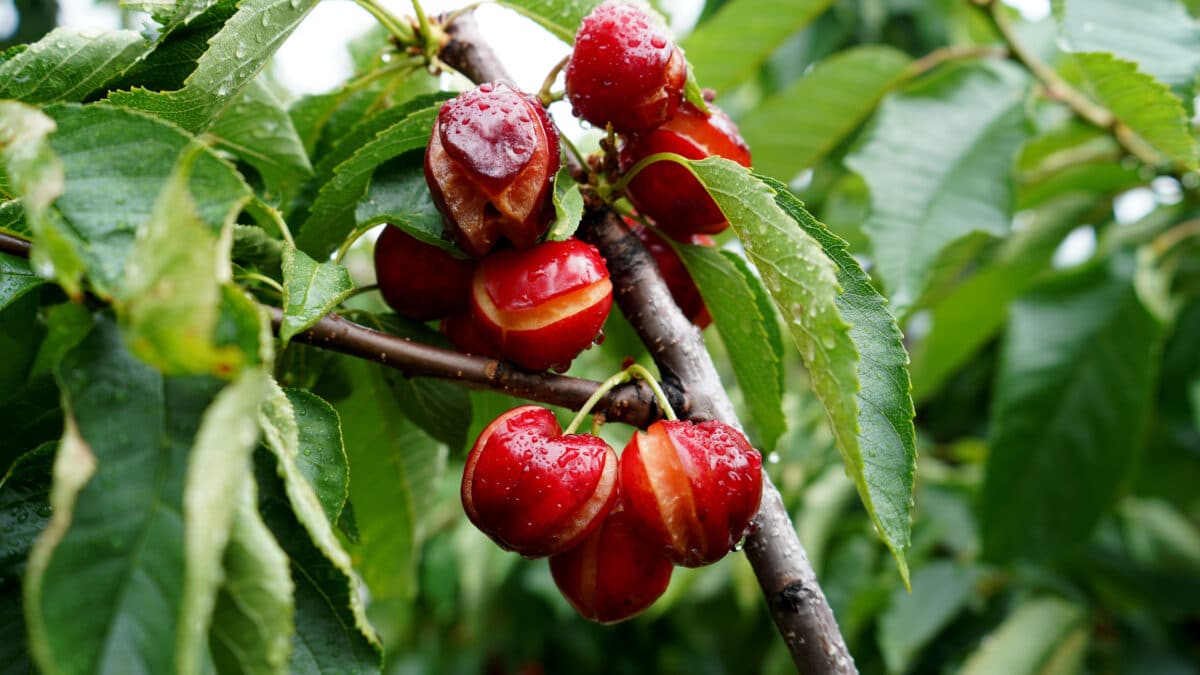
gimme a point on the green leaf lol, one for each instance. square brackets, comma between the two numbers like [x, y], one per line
[1071, 397]
[568, 206]
[24, 513]
[253, 621]
[398, 195]
[12, 219]
[938, 162]
[169, 13]
[730, 47]
[1158, 35]
[1142, 104]
[940, 592]
[322, 457]
[179, 46]
[253, 247]
[880, 450]
[1045, 636]
[797, 127]
[311, 290]
[118, 527]
[256, 128]
[725, 282]
[68, 64]
[331, 218]
[560, 17]
[394, 468]
[235, 55]
[16, 279]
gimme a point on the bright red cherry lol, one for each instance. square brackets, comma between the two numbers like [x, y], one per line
[533, 490]
[464, 333]
[624, 70]
[679, 282]
[614, 574]
[543, 306]
[693, 487]
[667, 192]
[490, 164]
[419, 280]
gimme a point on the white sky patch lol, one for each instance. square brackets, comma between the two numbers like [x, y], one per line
[1079, 245]
[1133, 205]
[1031, 10]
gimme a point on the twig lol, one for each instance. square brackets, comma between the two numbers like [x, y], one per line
[14, 245]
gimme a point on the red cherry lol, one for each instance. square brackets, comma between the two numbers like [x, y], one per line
[667, 192]
[490, 164]
[543, 306]
[624, 70]
[614, 574]
[463, 332]
[679, 282]
[533, 490]
[419, 280]
[693, 487]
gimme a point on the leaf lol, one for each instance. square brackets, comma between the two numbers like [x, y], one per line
[68, 64]
[169, 13]
[399, 196]
[1072, 393]
[322, 457]
[568, 206]
[730, 47]
[795, 128]
[179, 46]
[1046, 636]
[725, 282]
[236, 54]
[24, 513]
[253, 247]
[16, 279]
[938, 162]
[848, 341]
[118, 523]
[1142, 104]
[331, 218]
[1158, 35]
[880, 450]
[940, 592]
[253, 621]
[257, 129]
[560, 17]
[311, 290]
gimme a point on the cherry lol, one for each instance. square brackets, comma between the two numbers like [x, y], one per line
[667, 192]
[679, 282]
[533, 490]
[624, 70]
[693, 487]
[614, 574]
[464, 333]
[490, 165]
[541, 307]
[419, 280]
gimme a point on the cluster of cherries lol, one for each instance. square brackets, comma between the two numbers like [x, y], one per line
[681, 493]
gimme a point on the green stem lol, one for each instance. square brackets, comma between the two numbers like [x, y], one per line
[397, 28]
[359, 290]
[614, 381]
[659, 394]
[254, 276]
[544, 94]
[345, 247]
[623, 181]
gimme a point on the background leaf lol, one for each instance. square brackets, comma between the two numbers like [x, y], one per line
[257, 129]
[16, 279]
[1046, 636]
[68, 64]
[398, 195]
[939, 592]
[322, 457]
[560, 17]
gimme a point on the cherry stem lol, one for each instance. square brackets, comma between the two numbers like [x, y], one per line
[544, 94]
[659, 394]
[624, 180]
[622, 377]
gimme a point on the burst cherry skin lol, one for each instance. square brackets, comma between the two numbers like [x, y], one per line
[490, 165]
[614, 574]
[624, 70]
[667, 192]
[541, 307]
[692, 487]
[533, 490]
[419, 280]
[679, 282]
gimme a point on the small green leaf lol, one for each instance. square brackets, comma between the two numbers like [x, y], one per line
[724, 280]
[322, 457]
[399, 196]
[1046, 636]
[257, 129]
[68, 64]
[568, 206]
[311, 290]
[940, 591]
[254, 248]
[692, 93]
[16, 279]
[560, 17]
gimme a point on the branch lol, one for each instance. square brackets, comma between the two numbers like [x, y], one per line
[794, 597]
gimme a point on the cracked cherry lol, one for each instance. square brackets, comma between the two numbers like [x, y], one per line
[624, 70]
[420, 280]
[533, 490]
[667, 192]
[679, 282]
[693, 487]
[541, 307]
[614, 574]
[490, 164]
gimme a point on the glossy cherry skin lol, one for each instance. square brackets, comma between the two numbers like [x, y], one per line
[464, 333]
[624, 70]
[543, 306]
[490, 165]
[614, 574]
[533, 490]
[692, 487]
[419, 280]
[667, 192]
[679, 282]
